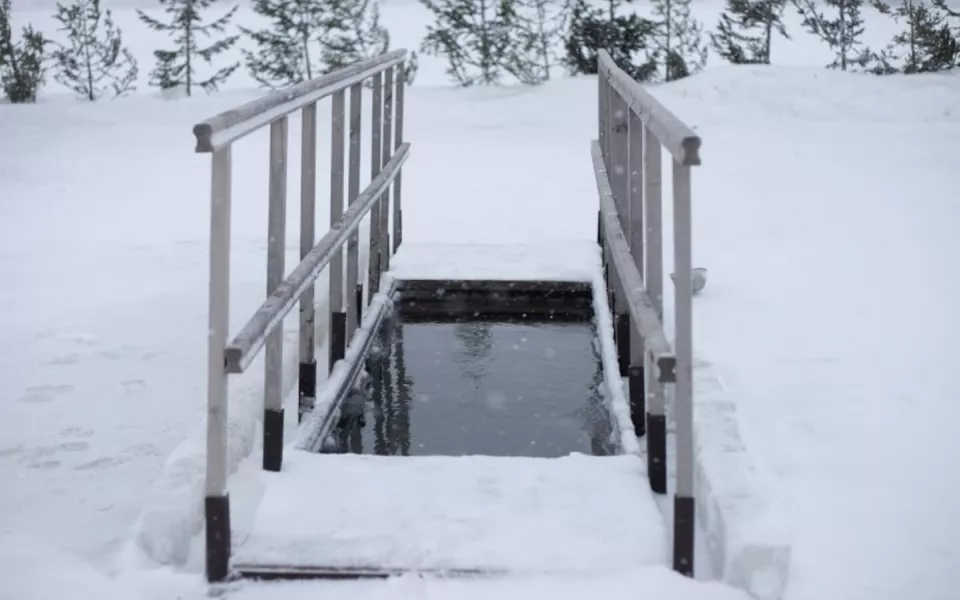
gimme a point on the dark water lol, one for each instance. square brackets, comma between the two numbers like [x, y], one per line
[503, 389]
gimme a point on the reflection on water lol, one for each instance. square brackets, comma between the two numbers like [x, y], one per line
[504, 389]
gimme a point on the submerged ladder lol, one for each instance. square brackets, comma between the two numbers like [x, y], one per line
[633, 127]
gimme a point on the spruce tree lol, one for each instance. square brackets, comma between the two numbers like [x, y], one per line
[627, 37]
[952, 34]
[22, 63]
[95, 61]
[540, 28]
[289, 51]
[926, 45]
[178, 67]
[843, 32]
[476, 38]
[679, 39]
[358, 35]
[745, 31]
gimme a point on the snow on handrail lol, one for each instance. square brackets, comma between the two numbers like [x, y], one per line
[216, 132]
[673, 133]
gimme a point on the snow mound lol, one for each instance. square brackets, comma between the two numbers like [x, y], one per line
[748, 93]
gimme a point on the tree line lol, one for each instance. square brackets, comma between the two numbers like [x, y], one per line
[482, 41]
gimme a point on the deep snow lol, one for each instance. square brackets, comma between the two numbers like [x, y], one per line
[825, 211]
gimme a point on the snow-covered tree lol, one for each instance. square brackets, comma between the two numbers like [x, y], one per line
[359, 35]
[843, 31]
[290, 50]
[745, 31]
[94, 62]
[679, 39]
[22, 63]
[627, 37]
[927, 44]
[540, 28]
[476, 37]
[178, 67]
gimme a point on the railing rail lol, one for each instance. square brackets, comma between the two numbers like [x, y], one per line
[633, 127]
[264, 330]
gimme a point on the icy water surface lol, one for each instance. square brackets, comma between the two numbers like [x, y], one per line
[504, 389]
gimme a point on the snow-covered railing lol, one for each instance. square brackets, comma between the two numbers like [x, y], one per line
[264, 329]
[633, 126]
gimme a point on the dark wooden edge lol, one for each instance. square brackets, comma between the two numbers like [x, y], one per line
[430, 285]
[268, 572]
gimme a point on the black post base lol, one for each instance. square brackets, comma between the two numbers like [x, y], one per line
[684, 534]
[359, 304]
[272, 439]
[217, 514]
[621, 324]
[307, 382]
[338, 337]
[638, 400]
[657, 452]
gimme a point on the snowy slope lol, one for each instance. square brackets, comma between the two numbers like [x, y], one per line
[818, 191]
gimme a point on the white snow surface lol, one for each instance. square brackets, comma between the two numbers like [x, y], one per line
[825, 210]
[572, 514]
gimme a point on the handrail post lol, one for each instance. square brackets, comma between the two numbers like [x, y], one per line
[276, 246]
[376, 129]
[217, 501]
[683, 534]
[354, 287]
[386, 153]
[307, 379]
[636, 385]
[653, 272]
[397, 182]
[338, 318]
[618, 171]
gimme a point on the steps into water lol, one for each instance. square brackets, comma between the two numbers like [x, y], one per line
[480, 442]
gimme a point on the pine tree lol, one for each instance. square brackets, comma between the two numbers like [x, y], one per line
[22, 63]
[540, 27]
[679, 39]
[627, 37]
[952, 18]
[842, 33]
[359, 34]
[95, 62]
[176, 68]
[476, 38]
[745, 31]
[290, 50]
[927, 44]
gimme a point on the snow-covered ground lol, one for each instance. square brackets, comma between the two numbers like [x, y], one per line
[825, 211]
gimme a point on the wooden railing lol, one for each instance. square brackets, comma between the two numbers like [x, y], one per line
[633, 127]
[265, 328]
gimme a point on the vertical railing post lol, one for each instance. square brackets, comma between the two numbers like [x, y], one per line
[653, 272]
[609, 92]
[618, 172]
[397, 183]
[602, 139]
[307, 380]
[338, 318]
[276, 246]
[376, 129]
[386, 153]
[683, 534]
[636, 385]
[354, 287]
[216, 500]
